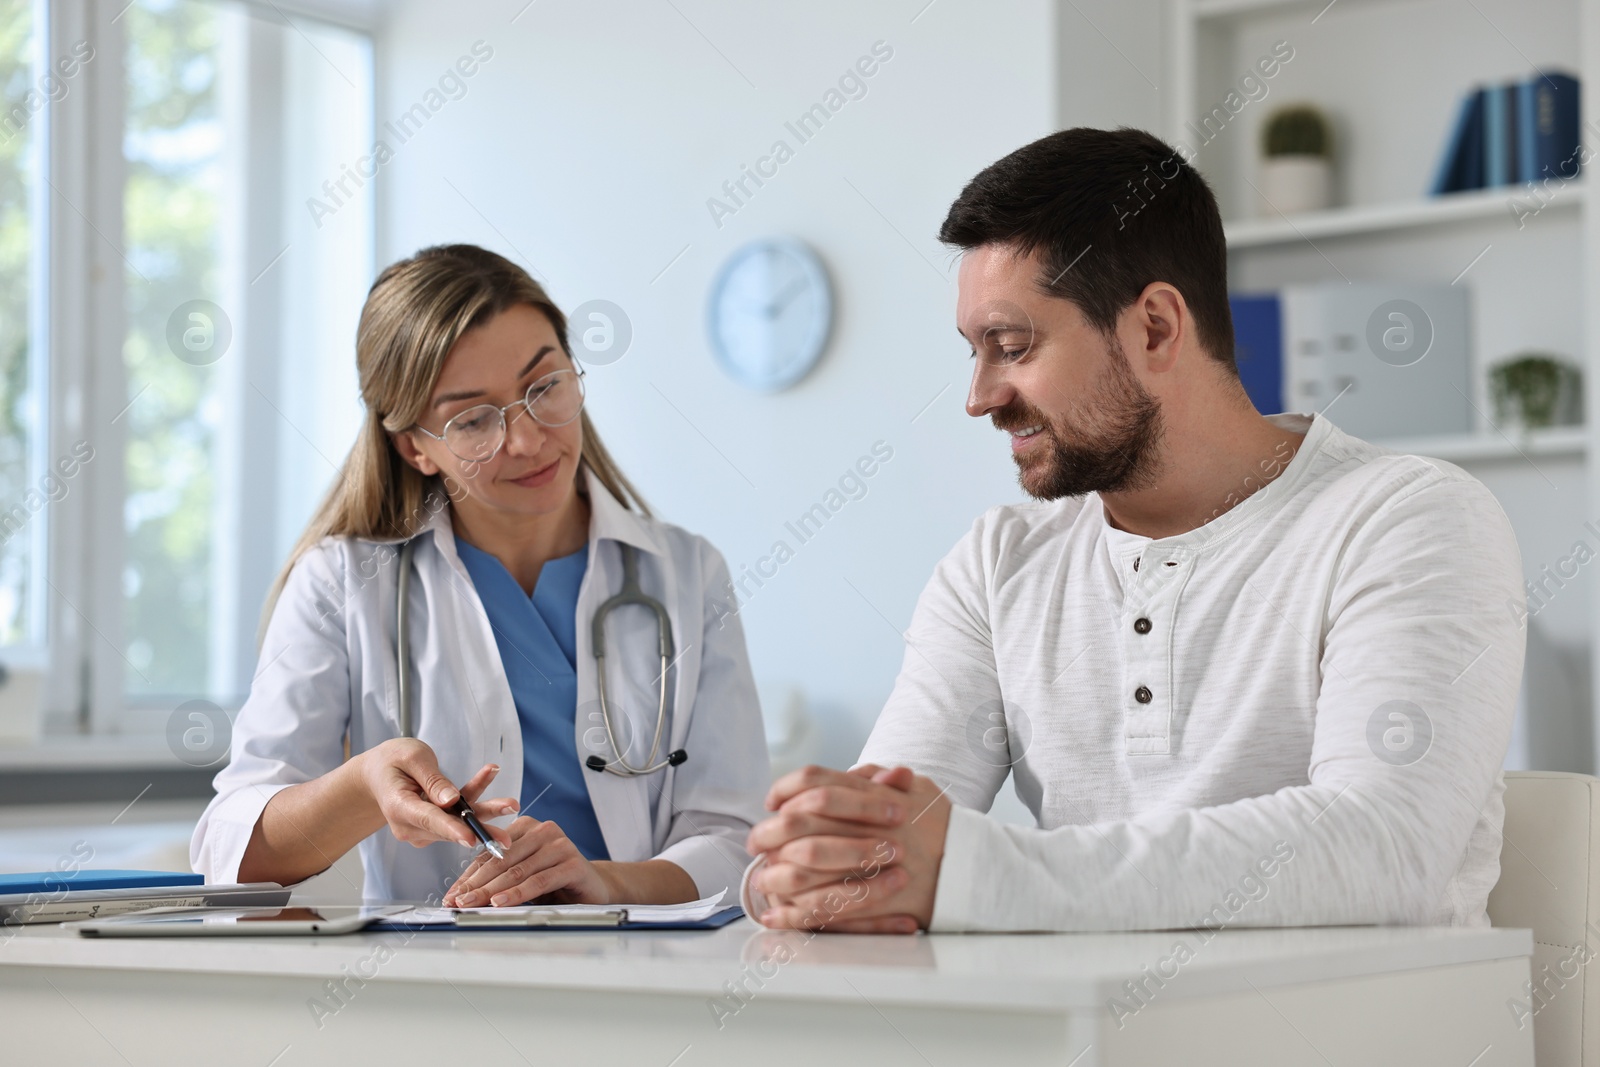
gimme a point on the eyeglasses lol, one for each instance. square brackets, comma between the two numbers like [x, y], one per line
[477, 434]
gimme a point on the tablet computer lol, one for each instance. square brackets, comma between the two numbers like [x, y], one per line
[237, 922]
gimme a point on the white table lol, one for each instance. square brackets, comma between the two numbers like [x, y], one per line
[1280, 997]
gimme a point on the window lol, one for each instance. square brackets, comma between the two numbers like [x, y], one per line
[179, 369]
[172, 207]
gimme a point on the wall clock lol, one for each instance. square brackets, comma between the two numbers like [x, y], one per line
[770, 313]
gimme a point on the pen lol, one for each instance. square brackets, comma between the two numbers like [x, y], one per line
[464, 810]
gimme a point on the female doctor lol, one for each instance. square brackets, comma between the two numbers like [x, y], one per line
[476, 451]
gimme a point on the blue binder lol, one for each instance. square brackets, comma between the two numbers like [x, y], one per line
[1258, 348]
[1548, 130]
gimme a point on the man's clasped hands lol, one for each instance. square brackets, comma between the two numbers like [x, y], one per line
[853, 851]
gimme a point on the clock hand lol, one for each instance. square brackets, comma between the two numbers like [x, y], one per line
[789, 292]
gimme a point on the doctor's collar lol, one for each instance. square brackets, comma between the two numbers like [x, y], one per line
[609, 519]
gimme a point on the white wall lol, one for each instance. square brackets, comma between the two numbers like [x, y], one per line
[1113, 64]
[587, 146]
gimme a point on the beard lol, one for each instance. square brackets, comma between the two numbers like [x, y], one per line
[1108, 443]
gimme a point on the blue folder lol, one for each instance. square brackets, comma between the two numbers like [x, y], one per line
[715, 921]
[87, 878]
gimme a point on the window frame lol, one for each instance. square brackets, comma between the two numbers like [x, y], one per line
[83, 395]
[77, 360]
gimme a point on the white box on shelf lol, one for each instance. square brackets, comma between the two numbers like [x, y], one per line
[1379, 359]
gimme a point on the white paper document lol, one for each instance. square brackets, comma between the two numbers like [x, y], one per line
[694, 911]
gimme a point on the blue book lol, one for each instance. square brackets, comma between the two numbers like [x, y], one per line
[1550, 133]
[1461, 166]
[1448, 170]
[1472, 176]
[1513, 137]
[1496, 118]
[1527, 125]
[1258, 348]
[53, 882]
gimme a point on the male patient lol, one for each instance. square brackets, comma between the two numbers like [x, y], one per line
[1246, 669]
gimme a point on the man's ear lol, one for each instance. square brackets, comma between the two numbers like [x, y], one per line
[1161, 324]
[405, 444]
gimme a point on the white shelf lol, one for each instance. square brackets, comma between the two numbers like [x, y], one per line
[1212, 9]
[1222, 9]
[1385, 218]
[1571, 441]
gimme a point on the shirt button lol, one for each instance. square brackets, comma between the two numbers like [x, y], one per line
[1143, 694]
[1141, 626]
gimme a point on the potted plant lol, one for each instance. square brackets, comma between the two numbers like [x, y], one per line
[1297, 172]
[1535, 389]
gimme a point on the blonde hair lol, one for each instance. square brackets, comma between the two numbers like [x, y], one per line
[415, 313]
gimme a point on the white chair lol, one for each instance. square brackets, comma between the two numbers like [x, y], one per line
[1550, 883]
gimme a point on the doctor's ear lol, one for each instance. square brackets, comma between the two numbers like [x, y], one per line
[405, 443]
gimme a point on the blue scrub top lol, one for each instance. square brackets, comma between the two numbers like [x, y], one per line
[537, 636]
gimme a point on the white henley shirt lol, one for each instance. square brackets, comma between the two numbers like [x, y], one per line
[1295, 714]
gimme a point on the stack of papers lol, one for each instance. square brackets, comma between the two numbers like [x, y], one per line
[649, 914]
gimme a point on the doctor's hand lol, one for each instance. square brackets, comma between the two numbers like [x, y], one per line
[851, 851]
[403, 777]
[541, 865]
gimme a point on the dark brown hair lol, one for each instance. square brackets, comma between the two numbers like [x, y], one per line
[1110, 211]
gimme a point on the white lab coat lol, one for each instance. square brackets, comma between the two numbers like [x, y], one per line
[328, 666]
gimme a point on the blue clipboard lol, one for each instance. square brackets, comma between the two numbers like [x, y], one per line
[714, 921]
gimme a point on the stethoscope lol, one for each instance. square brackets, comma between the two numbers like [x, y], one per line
[631, 594]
